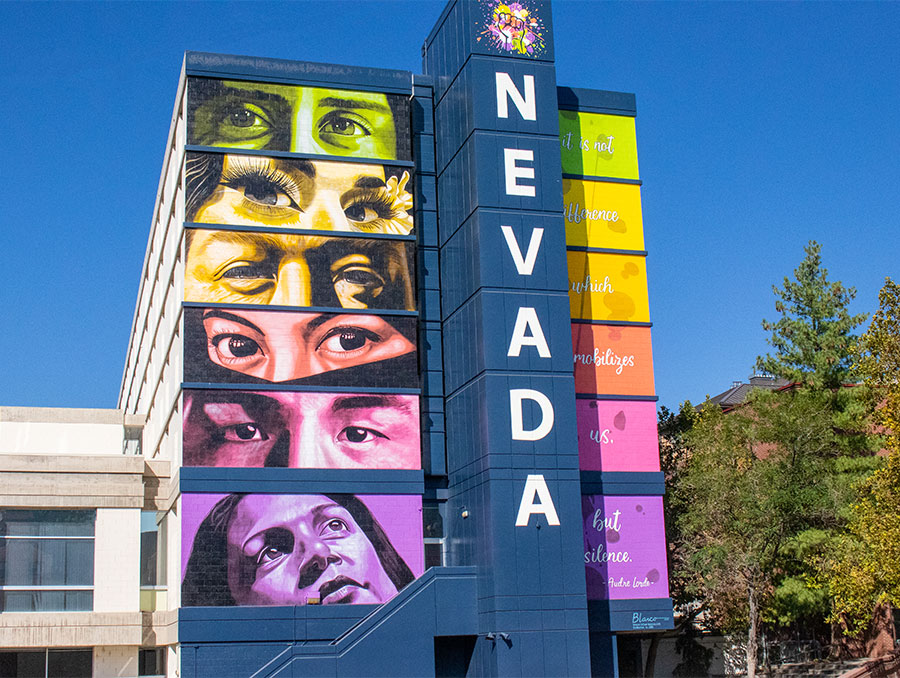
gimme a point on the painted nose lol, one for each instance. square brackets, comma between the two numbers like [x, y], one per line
[291, 361]
[294, 287]
[317, 557]
[327, 213]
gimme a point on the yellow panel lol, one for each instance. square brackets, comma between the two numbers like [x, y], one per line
[608, 286]
[598, 145]
[602, 214]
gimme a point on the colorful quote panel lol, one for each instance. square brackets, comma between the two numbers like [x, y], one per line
[612, 360]
[314, 120]
[321, 195]
[608, 286]
[284, 269]
[624, 547]
[255, 346]
[599, 145]
[603, 214]
[300, 429]
[298, 549]
[617, 435]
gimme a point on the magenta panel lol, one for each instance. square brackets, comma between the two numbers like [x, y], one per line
[624, 547]
[298, 549]
[617, 435]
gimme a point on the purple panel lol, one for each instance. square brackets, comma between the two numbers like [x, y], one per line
[624, 548]
[276, 549]
[617, 435]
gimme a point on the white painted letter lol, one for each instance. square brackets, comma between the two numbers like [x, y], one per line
[526, 105]
[527, 319]
[523, 265]
[516, 396]
[514, 172]
[536, 485]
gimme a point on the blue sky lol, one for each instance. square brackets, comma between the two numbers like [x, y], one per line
[760, 126]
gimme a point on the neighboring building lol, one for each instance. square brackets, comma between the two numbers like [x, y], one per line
[740, 390]
[82, 554]
[367, 424]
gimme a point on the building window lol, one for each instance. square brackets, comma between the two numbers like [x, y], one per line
[46, 560]
[433, 529]
[153, 561]
[152, 662]
[46, 663]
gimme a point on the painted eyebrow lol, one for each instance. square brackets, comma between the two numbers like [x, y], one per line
[240, 93]
[225, 315]
[362, 402]
[369, 182]
[335, 102]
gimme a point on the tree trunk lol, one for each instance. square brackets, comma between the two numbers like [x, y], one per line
[650, 664]
[752, 632]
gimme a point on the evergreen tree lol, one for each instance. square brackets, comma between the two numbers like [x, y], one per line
[813, 338]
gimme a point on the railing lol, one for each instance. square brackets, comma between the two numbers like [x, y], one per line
[883, 667]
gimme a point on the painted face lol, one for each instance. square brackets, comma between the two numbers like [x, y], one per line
[301, 430]
[326, 196]
[278, 346]
[290, 118]
[284, 550]
[296, 270]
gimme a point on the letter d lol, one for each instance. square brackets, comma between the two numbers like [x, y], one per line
[516, 396]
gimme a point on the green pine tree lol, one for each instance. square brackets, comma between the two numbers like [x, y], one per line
[813, 339]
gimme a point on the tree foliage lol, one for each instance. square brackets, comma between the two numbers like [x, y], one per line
[863, 568]
[813, 338]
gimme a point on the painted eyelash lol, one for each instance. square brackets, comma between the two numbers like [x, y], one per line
[243, 173]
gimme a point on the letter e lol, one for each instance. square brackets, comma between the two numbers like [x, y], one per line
[512, 172]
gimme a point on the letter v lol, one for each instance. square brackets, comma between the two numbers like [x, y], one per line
[523, 265]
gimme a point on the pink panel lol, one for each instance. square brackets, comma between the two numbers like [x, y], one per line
[617, 435]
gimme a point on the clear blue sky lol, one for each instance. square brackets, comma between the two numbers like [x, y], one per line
[760, 126]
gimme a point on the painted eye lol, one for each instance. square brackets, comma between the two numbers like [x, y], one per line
[340, 125]
[335, 525]
[243, 118]
[278, 542]
[235, 346]
[358, 435]
[244, 432]
[346, 339]
[255, 271]
[361, 213]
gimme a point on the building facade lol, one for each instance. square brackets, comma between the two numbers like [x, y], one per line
[388, 401]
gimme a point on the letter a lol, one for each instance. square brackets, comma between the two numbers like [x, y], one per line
[527, 318]
[516, 396]
[527, 105]
[536, 486]
[525, 265]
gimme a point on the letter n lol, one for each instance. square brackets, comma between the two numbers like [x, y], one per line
[506, 89]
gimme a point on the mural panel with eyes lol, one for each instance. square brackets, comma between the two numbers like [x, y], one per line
[229, 428]
[299, 119]
[250, 346]
[280, 549]
[251, 190]
[284, 269]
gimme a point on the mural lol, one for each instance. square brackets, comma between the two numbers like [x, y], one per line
[314, 120]
[624, 547]
[612, 359]
[236, 345]
[300, 429]
[617, 435]
[608, 286]
[595, 144]
[603, 214]
[254, 190]
[237, 267]
[512, 27]
[298, 549]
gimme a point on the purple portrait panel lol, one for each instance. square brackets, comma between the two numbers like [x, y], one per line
[624, 547]
[298, 549]
[300, 429]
